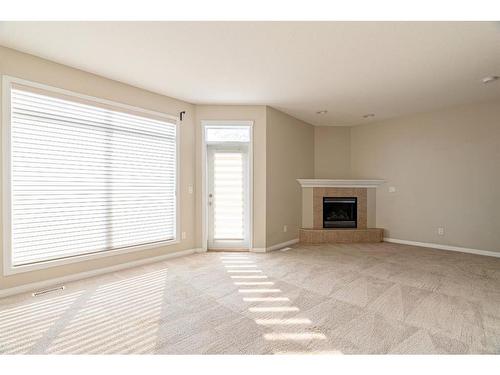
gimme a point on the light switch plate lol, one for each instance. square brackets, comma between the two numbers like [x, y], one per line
[392, 189]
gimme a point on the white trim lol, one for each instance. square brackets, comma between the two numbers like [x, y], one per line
[444, 247]
[226, 123]
[8, 268]
[204, 183]
[178, 189]
[12, 270]
[6, 175]
[279, 246]
[204, 178]
[83, 275]
[305, 183]
[250, 186]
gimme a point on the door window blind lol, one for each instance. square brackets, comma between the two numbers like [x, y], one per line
[228, 195]
[87, 178]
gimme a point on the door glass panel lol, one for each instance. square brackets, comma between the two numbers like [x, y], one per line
[229, 195]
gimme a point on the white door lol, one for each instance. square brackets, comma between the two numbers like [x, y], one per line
[228, 196]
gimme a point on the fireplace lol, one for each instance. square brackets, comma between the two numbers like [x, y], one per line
[340, 212]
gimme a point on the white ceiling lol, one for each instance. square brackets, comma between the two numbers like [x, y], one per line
[349, 68]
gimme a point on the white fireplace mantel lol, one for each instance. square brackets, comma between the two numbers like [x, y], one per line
[308, 183]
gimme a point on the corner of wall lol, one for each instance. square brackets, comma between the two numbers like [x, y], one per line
[290, 155]
[332, 152]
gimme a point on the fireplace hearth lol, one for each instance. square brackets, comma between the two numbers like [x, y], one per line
[340, 212]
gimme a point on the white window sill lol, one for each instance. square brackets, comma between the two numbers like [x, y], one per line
[9, 269]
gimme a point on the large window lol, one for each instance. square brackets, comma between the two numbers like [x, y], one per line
[85, 176]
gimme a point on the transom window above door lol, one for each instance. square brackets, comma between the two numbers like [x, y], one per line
[227, 134]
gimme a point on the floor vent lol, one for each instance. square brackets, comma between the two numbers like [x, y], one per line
[45, 291]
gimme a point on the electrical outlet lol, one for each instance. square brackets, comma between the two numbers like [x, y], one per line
[285, 228]
[190, 189]
[183, 235]
[440, 231]
[392, 189]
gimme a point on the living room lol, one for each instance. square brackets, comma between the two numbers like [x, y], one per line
[275, 188]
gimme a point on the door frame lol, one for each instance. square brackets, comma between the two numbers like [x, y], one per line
[204, 178]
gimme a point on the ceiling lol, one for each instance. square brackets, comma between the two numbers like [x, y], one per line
[348, 68]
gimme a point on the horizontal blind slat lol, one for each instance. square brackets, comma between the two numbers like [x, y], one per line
[57, 103]
[58, 242]
[61, 132]
[48, 107]
[82, 251]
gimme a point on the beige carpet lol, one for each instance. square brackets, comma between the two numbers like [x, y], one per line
[326, 299]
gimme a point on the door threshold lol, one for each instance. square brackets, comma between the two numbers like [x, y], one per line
[233, 250]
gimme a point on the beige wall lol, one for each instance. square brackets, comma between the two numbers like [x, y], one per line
[229, 112]
[28, 67]
[332, 151]
[290, 155]
[445, 168]
[443, 164]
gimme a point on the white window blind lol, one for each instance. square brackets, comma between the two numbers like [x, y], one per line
[229, 195]
[87, 178]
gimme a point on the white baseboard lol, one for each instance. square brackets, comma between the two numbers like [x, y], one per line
[444, 247]
[279, 246]
[83, 275]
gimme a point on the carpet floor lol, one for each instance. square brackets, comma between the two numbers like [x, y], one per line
[318, 299]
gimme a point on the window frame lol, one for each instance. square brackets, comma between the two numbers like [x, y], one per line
[8, 267]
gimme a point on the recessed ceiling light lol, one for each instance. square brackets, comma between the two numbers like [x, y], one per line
[368, 115]
[322, 112]
[490, 79]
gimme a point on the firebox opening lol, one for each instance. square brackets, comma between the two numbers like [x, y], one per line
[340, 212]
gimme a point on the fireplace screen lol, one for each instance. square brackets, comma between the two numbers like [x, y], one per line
[340, 212]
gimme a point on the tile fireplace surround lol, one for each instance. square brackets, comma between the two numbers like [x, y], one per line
[320, 192]
[313, 192]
